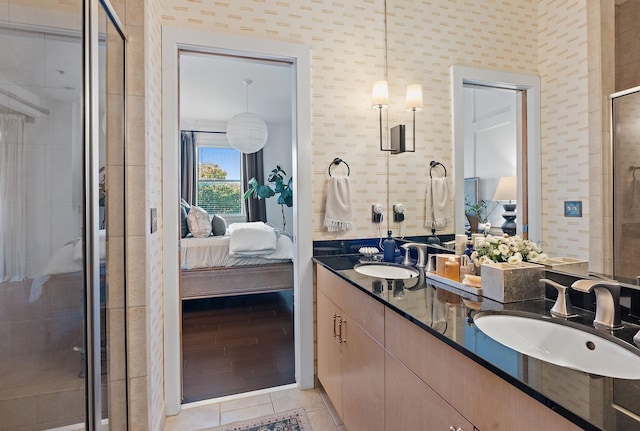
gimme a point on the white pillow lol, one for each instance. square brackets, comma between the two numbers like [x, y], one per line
[199, 222]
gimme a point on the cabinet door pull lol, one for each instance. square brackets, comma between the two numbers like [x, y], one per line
[342, 339]
[335, 333]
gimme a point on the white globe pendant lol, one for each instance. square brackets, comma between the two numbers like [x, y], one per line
[247, 133]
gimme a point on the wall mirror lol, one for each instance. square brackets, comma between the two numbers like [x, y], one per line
[440, 133]
[496, 133]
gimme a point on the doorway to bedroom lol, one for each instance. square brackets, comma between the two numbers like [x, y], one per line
[237, 304]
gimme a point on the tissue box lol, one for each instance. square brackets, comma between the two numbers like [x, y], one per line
[505, 283]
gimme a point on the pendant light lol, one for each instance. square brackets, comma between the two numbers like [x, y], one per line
[246, 132]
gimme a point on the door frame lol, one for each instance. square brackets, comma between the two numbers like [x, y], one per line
[530, 84]
[173, 40]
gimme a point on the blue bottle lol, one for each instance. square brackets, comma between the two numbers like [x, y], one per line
[389, 246]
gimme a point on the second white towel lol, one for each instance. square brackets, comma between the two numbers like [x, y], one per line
[437, 208]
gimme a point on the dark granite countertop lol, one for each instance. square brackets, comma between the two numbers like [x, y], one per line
[591, 402]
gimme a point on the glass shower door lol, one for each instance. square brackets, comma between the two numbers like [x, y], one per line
[47, 193]
[42, 277]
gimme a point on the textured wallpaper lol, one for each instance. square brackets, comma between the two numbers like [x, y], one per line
[563, 68]
[155, 337]
[424, 39]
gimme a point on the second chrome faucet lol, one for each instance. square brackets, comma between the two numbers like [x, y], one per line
[607, 301]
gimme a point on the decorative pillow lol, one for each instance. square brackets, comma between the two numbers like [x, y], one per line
[218, 225]
[199, 222]
[184, 227]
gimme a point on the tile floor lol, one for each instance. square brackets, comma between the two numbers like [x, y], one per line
[203, 416]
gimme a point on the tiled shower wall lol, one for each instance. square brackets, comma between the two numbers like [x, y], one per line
[143, 182]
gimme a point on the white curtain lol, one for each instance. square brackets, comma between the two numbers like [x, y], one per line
[13, 260]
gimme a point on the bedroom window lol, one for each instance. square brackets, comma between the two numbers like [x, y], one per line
[219, 180]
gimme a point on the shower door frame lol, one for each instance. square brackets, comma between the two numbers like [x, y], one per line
[91, 133]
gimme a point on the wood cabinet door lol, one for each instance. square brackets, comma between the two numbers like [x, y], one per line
[412, 405]
[362, 379]
[329, 350]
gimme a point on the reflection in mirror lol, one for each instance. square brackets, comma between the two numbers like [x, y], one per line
[626, 170]
[491, 124]
[488, 138]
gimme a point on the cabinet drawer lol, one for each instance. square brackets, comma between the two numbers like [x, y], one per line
[361, 308]
[412, 405]
[488, 401]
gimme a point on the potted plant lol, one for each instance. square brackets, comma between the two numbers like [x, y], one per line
[283, 189]
[476, 213]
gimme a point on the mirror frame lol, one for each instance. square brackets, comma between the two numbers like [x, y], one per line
[462, 75]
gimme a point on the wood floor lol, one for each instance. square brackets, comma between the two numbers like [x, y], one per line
[237, 344]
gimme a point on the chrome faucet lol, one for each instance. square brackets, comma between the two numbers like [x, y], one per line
[562, 307]
[422, 253]
[607, 301]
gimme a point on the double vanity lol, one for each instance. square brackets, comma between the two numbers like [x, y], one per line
[404, 351]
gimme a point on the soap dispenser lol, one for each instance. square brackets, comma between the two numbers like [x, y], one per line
[389, 246]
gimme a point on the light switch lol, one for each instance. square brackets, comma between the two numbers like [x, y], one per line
[154, 220]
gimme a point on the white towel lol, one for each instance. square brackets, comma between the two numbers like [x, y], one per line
[632, 198]
[337, 212]
[251, 239]
[438, 208]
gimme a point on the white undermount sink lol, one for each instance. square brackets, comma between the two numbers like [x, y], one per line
[562, 343]
[389, 271]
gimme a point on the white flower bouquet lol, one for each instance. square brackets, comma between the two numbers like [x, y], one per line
[510, 249]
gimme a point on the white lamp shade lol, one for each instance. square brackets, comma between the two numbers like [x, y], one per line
[414, 97]
[380, 95]
[247, 133]
[507, 189]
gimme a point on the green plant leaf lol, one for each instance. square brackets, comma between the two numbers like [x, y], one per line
[264, 192]
[280, 188]
[253, 185]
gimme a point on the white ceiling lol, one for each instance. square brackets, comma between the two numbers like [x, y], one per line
[212, 89]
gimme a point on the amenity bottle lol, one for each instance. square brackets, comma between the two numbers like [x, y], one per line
[389, 246]
[452, 269]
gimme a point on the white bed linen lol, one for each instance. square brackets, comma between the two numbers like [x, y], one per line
[67, 259]
[213, 251]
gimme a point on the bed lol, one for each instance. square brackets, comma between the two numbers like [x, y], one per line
[66, 263]
[217, 266]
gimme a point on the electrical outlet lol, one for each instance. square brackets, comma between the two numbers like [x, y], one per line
[376, 213]
[573, 208]
[398, 213]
